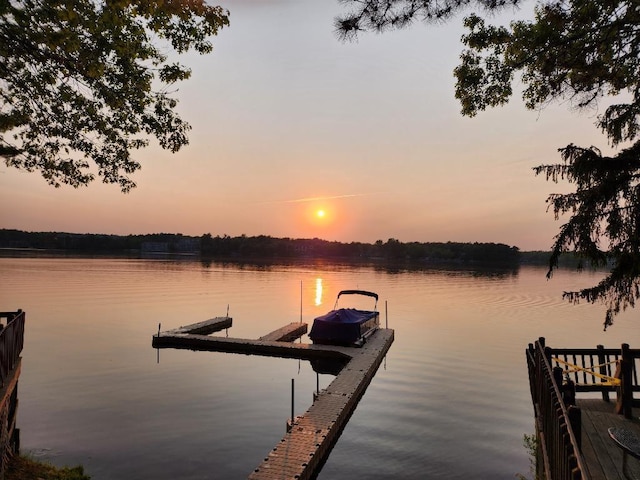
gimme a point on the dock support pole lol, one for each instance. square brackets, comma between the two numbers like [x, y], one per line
[157, 349]
[292, 399]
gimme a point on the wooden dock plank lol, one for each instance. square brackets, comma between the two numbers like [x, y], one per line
[602, 455]
[593, 446]
[312, 436]
[303, 351]
[206, 327]
[288, 333]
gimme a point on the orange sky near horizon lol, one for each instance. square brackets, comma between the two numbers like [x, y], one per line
[288, 120]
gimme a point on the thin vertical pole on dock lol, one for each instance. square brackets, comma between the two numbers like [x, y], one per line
[226, 330]
[300, 301]
[157, 349]
[292, 399]
[386, 315]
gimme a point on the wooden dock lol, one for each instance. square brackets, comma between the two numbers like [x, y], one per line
[602, 456]
[201, 328]
[305, 447]
[274, 344]
[572, 433]
[303, 450]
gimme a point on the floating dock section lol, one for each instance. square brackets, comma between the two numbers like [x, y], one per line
[304, 449]
[309, 440]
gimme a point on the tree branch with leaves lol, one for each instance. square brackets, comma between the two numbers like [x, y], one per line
[576, 50]
[84, 83]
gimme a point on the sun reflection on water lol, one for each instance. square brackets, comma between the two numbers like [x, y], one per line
[318, 301]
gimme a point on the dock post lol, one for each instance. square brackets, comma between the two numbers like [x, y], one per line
[625, 381]
[386, 315]
[292, 398]
[557, 376]
[575, 419]
[157, 349]
[603, 370]
[290, 423]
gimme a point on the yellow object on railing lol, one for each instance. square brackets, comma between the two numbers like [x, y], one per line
[612, 381]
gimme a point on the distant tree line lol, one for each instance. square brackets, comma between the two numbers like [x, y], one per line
[85, 242]
[392, 249]
[262, 246]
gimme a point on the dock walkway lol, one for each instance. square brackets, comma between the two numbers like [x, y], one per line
[305, 447]
[308, 443]
[602, 456]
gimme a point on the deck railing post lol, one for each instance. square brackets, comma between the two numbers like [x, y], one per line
[557, 377]
[626, 365]
[575, 418]
[558, 424]
[547, 353]
[569, 393]
[603, 370]
[531, 365]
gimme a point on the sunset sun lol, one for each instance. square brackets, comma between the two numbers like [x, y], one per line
[319, 218]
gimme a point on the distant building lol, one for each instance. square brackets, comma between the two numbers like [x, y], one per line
[182, 246]
[187, 245]
[154, 247]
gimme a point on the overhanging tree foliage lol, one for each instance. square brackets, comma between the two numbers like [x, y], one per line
[581, 51]
[86, 81]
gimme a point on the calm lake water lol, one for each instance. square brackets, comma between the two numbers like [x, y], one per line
[451, 400]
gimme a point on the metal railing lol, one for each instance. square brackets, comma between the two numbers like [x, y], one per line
[557, 419]
[11, 343]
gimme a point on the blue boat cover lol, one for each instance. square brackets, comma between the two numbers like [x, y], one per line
[340, 326]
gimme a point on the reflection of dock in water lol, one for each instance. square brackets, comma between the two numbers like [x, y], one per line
[305, 447]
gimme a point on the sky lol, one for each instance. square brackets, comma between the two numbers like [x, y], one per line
[288, 120]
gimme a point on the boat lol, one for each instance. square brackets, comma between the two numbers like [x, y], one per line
[346, 326]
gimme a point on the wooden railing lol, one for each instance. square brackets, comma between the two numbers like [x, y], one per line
[557, 419]
[621, 363]
[11, 343]
[558, 424]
